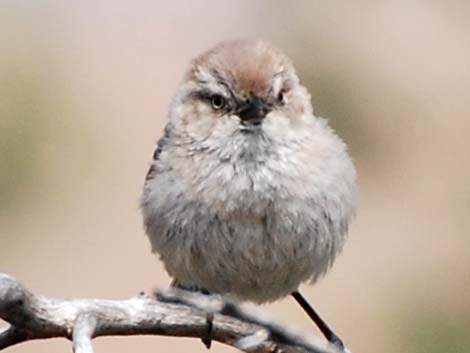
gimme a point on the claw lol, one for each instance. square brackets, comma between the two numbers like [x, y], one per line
[208, 339]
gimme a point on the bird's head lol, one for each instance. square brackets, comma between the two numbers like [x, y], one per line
[240, 87]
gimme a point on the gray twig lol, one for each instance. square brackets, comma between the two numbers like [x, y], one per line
[34, 316]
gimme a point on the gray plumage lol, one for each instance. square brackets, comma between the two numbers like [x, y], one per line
[247, 207]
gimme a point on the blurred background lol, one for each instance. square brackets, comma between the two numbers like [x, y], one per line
[84, 90]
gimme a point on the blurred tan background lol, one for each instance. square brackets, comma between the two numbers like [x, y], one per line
[84, 89]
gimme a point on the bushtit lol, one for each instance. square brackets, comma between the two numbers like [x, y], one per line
[249, 193]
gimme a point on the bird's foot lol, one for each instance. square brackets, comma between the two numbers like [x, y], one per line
[204, 300]
[337, 342]
[209, 321]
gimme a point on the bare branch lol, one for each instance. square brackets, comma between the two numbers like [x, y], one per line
[10, 336]
[83, 331]
[34, 316]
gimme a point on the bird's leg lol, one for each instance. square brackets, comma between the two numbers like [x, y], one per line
[207, 340]
[321, 324]
[209, 321]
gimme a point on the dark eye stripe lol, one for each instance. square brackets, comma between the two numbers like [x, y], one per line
[202, 95]
[207, 95]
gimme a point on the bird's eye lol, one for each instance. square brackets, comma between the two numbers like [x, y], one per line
[281, 97]
[217, 101]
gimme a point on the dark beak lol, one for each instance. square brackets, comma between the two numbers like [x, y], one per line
[253, 111]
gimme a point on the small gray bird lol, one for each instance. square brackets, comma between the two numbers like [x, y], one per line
[249, 193]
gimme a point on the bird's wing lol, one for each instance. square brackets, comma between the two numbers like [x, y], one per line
[161, 145]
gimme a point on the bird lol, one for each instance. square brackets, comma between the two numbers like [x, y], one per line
[249, 193]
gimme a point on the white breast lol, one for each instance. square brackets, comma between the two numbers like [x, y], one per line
[255, 222]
